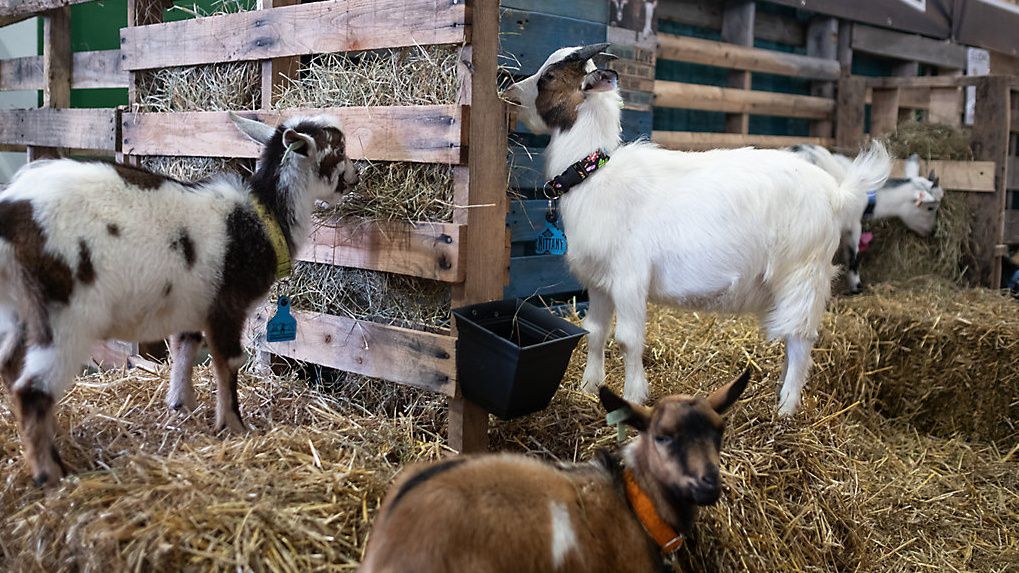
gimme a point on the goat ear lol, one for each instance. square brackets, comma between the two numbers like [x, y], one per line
[637, 416]
[600, 81]
[300, 142]
[913, 166]
[721, 399]
[256, 130]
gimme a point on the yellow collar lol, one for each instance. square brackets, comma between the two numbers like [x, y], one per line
[664, 535]
[279, 242]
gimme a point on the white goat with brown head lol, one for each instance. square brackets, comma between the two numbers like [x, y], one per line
[740, 231]
[91, 251]
[508, 513]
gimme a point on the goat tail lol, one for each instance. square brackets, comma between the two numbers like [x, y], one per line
[868, 172]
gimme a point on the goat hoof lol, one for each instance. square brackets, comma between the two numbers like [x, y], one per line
[182, 403]
[49, 476]
[590, 387]
[231, 424]
[635, 396]
[788, 408]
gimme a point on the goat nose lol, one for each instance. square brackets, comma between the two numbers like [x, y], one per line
[710, 480]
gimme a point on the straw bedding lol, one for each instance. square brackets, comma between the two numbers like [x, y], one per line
[852, 484]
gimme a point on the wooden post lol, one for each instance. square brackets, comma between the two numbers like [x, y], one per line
[884, 111]
[849, 113]
[845, 48]
[56, 69]
[738, 28]
[990, 143]
[480, 193]
[276, 71]
[946, 106]
[822, 42]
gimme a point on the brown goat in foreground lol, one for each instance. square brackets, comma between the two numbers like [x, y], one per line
[510, 513]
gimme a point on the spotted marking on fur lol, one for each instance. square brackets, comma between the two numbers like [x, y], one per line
[186, 246]
[138, 177]
[48, 273]
[113, 230]
[86, 273]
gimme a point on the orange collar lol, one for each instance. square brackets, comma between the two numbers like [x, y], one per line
[664, 535]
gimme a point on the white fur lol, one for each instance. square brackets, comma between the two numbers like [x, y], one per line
[735, 231]
[915, 202]
[564, 538]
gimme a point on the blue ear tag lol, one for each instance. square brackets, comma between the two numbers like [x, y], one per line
[551, 240]
[282, 327]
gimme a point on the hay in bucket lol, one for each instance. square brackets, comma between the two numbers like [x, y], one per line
[842, 487]
[898, 254]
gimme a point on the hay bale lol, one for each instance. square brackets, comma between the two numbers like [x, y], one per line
[368, 295]
[842, 487]
[898, 254]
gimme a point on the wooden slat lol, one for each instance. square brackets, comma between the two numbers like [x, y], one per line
[738, 28]
[925, 81]
[708, 14]
[1013, 173]
[884, 111]
[71, 128]
[822, 42]
[696, 141]
[946, 106]
[427, 250]
[321, 27]
[99, 69]
[850, 112]
[721, 54]
[276, 72]
[713, 98]
[891, 44]
[396, 354]
[1011, 227]
[427, 133]
[12, 11]
[526, 219]
[975, 176]
[540, 275]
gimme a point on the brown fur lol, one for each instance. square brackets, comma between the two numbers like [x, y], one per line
[140, 178]
[492, 514]
[34, 410]
[50, 273]
[559, 94]
[12, 354]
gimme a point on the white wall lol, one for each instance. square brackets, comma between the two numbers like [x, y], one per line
[17, 41]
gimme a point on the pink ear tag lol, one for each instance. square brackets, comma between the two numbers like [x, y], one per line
[866, 238]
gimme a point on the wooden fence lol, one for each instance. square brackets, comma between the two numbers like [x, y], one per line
[469, 135]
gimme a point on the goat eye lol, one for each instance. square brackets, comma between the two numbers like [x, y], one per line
[663, 440]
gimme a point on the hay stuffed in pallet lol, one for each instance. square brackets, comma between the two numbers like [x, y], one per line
[840, 488]
[898, 254]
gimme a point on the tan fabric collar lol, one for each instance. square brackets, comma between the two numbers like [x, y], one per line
[664, 535]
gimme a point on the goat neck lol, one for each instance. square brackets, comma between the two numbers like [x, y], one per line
[279, 183]
[597, 127]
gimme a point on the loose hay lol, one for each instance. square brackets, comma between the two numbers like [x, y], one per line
[840, 488]
[368, 295]
[898, 254]
[394, 191]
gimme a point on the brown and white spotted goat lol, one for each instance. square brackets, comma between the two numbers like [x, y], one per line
[509, 513]
[90, 251]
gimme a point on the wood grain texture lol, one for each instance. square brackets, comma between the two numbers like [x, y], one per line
[850, 113]
[100, 69]
[729, 100]
[822, 43]
[708, 14]
[539, 275]
[56, 70]
[892, 44]
[1013, 173]
[738, 28]
[974, 176]
[884, 111]
[990, 143]
[401, 355]
[722, 54]
[276, 71]
[12, 11]
[698, 141]
[427, 133]
[946, 106]
[70, 128]
[1011, 234]
[486, 261]
[316, 28]
[426, 250]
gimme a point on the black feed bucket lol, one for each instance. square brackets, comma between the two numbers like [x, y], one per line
[511, 355]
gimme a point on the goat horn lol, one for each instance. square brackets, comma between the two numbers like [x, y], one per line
[585, 53]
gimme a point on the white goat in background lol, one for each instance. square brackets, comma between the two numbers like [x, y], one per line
[737, 231]
[914, 200]
[91, 251]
